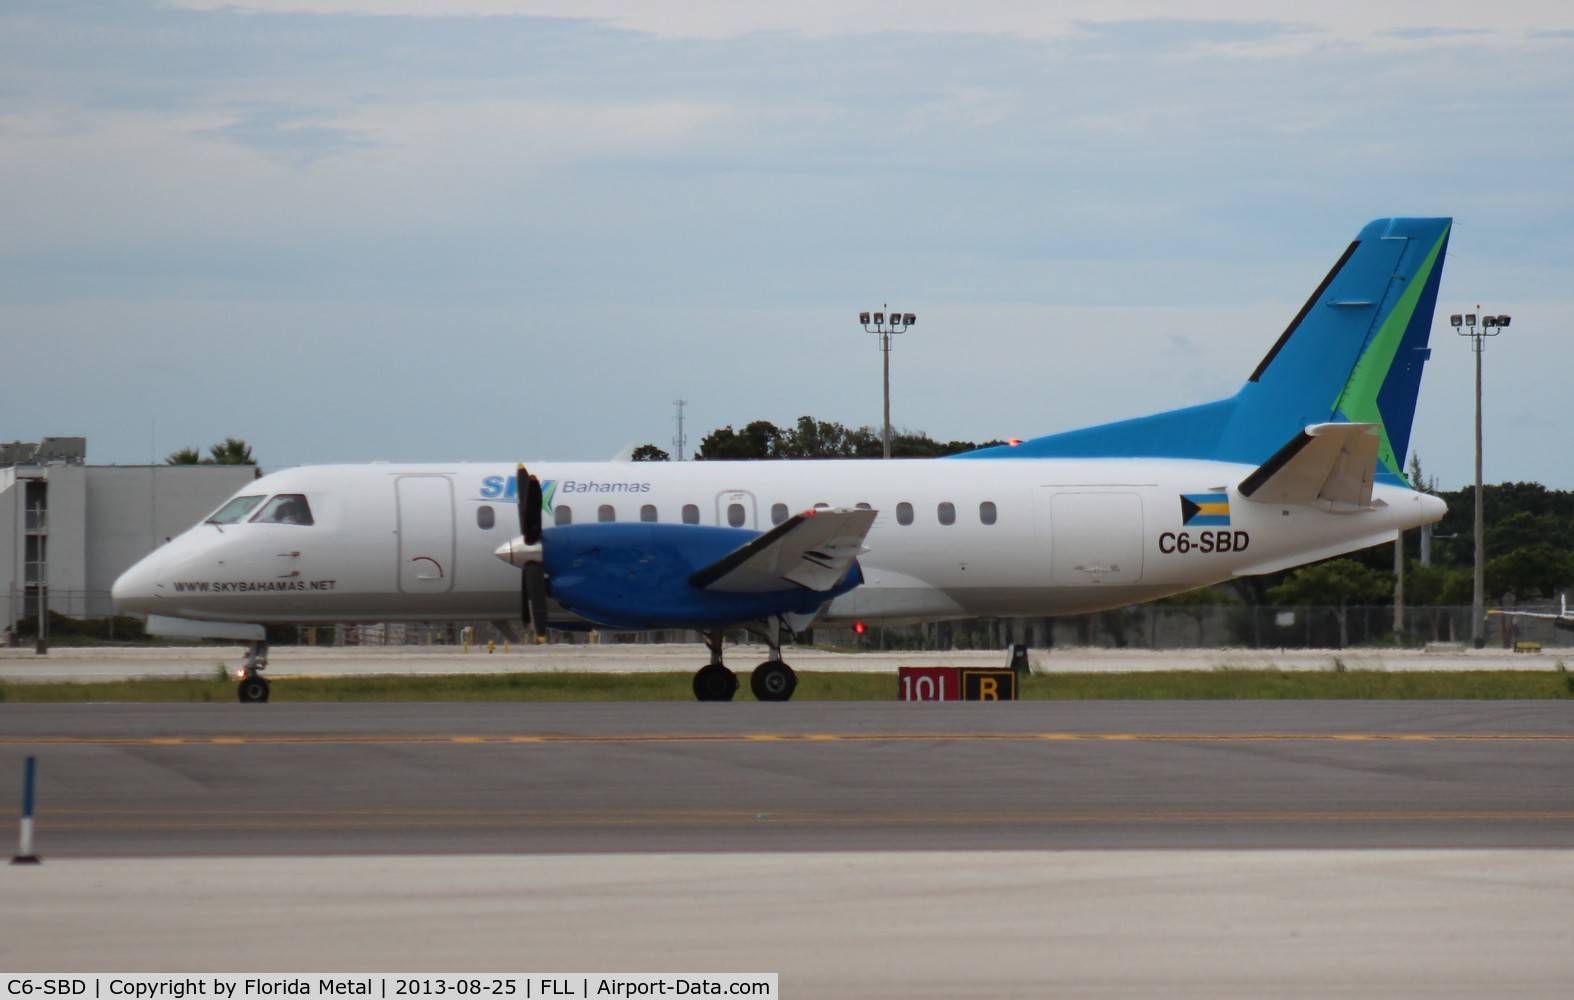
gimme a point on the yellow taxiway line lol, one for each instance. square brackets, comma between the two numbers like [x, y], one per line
[537, 738]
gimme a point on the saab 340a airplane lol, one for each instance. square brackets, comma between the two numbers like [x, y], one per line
[1303, 463]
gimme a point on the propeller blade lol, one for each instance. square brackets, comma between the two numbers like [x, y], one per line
[530, 512]
[536, 597]
[523, 495]
[524, 600]
[533, 579]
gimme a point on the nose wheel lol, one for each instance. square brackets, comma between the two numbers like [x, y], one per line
[252, 686]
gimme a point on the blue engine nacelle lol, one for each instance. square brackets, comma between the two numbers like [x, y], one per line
[625, 575]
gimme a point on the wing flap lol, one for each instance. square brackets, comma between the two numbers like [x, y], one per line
[1332, 465]
[813, 550]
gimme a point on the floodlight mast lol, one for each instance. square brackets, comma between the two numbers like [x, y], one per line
[887, 326]
[1467, 325]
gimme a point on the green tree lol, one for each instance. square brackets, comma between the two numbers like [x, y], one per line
[1334, 584]
[1418, 481]
[1435, 588]
[760, 439]
[1197, 604]
[811, 438]
[230, 451]
[650, 453]
[1536, 570]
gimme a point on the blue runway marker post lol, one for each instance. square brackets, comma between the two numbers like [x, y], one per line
[25, 855]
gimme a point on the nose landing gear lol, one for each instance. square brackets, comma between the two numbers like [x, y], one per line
[253, 687]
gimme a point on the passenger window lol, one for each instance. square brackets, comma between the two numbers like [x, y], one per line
[562, 514]
[286, 508]
[235, 511]
[691, 514]
[647, 513]
[778, 513]
[822, 506]
[904, 513]
[986, 512]
[605, 513]
[947, 512]
[735, 515]
[485, 517]
[862, 506]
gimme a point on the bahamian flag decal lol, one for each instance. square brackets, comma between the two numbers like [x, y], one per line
[1205, 509]
[548, 490]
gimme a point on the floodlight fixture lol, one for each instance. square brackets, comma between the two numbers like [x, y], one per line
[886, 325]
[1489, 326]
[1454, 320]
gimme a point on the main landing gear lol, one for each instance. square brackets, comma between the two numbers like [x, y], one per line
[772, 680]
[714, 682]
[252, 686]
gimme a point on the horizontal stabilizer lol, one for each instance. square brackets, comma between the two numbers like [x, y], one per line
[813, 550]
[1331, 463]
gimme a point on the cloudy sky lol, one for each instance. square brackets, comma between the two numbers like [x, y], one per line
[348, 230]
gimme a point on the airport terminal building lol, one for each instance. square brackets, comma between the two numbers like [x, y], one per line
[68, 529]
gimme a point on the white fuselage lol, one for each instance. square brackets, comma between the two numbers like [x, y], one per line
[982, 537]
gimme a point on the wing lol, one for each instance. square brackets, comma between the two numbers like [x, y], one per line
[1561, 616]
[813, 550]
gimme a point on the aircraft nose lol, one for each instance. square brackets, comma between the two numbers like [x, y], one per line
[138, 590]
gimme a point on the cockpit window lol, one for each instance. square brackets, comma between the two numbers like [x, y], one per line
[286, 508]
[235, 511]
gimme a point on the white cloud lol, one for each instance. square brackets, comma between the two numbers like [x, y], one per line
[1093, 216]
[1393, 22]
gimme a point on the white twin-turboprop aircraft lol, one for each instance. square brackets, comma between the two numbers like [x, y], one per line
[1303, 463]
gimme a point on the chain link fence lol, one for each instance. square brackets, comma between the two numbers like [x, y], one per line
[1228, 626]
[1146, 626]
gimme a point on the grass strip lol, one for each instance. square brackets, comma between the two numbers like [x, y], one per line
[1181, 685]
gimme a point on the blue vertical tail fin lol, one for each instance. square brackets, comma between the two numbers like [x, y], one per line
[1353, 353]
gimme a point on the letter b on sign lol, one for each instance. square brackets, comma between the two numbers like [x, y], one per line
[989, 685]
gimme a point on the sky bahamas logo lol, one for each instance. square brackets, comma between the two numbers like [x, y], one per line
[506, 488]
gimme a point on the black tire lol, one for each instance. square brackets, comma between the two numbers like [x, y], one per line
[714, 682]
[252, 689]
[773, 681]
